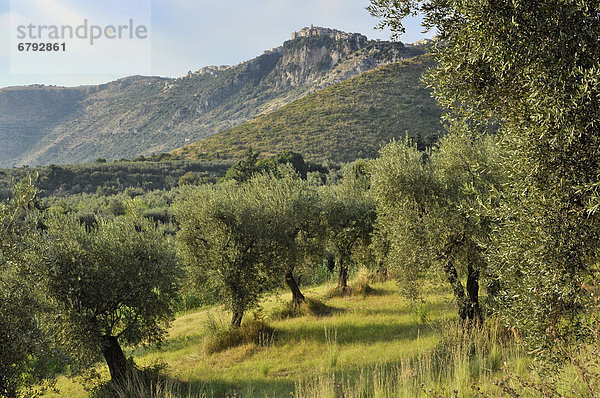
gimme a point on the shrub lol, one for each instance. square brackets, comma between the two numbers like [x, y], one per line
[360, 285]
[221, 336]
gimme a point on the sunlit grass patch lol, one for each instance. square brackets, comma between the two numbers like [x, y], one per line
[368, 346]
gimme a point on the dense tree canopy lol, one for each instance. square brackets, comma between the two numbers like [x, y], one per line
[349, 216]
[293, 209]
[21, 338]
[425, 207]
[529, 71]
[112, 282]
[223, 237]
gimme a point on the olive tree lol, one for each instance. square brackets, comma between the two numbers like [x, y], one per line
[425, 210]
[349, 220]
[222, 238]
[292, 209]
[528, 71]
[21, 338]
[112, 283]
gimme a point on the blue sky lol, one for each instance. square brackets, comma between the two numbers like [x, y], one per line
[189, 34]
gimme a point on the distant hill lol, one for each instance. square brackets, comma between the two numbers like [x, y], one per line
[343, 122]
[142, 115]
[29, 113]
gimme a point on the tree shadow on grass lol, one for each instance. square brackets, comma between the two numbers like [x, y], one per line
[161, 385]
[379, 292]
[170, 345]
[155, 382]
[310, 307]
[407, 309]
[349, 333]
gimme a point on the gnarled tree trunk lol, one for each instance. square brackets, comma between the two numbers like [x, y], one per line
[468, 304]
[457, 287]
[236, 320]
[297, 296]
[474, 312]
[115, 359]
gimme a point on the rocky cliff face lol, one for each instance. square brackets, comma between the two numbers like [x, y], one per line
[314, 51]
[140, 115]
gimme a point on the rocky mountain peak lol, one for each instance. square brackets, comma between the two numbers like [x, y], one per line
[140, 115]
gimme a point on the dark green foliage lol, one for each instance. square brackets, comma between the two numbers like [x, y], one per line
[528, 71]
[24, 349]
[288, 157]
[112, 282]
[115, 208]
[243, 170]
[89, 221]
[159, 215]
[195, 178]
[251, 165]
[112, 178]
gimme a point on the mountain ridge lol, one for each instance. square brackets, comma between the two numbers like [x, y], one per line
[140, 115]
[345, 121]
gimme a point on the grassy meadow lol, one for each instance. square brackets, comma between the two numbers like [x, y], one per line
[376, 345]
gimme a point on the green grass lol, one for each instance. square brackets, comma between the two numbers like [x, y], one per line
[371, 346]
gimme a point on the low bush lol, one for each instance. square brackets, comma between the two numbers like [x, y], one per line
[222, 336]
[360, 286]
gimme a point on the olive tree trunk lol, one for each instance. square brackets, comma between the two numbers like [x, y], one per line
[115, 359]
[468, 304]
[474, 312]
[458, 289]
[297, 296]
[236, 320]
